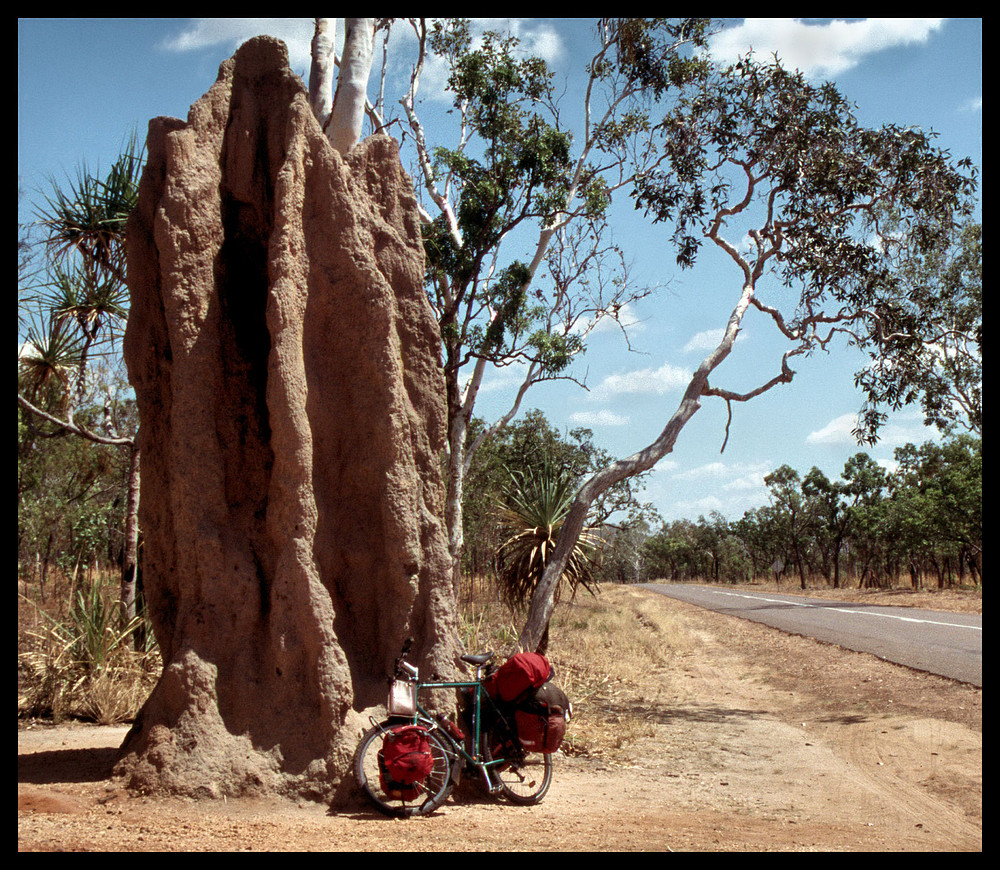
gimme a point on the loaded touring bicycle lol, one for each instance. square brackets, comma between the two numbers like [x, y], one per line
[512, 720]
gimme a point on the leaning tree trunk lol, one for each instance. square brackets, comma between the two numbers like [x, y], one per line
[286, 365]
[543, 598]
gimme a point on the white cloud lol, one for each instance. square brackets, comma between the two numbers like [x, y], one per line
[819, 49]
[710, 339]
[201, 33]
[626, 319]
[837, 431]
[706, 340]
[713, 470]
[906, 427]
[700, 507]
[742, 475]
[537, 38]
[890, 465]
[903, 427]
[749, 480]
[665, 379]
[599, 418]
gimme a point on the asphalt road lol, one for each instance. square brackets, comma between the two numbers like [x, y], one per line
[947, 644]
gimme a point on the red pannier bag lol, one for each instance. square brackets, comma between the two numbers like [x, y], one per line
[518, 676]
[405, 761]
[541, 720]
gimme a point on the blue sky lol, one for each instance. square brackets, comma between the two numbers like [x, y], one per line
[83, 84]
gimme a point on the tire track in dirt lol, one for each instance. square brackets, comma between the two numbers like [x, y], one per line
[895, 766]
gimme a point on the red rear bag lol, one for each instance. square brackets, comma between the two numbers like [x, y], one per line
[540, 731]
[518, 676]
[541, 719]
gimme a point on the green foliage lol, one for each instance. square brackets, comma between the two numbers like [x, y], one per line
[647, 52]
[924, 521]
[822, 173]
[711, 549]
[72, 309]
[517, 170]
[88, 215]
[50, 357]
[934, 355]
[833, 209]
[69, 497]
[528, 445]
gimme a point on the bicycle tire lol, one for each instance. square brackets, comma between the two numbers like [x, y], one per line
[437, 786]
[524, 777]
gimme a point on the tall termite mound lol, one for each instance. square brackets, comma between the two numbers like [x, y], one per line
[286, 366]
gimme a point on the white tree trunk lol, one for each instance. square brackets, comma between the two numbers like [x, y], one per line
[321, 73]
[458, 427]
[343, 128]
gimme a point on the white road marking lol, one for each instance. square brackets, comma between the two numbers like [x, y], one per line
[846, 610]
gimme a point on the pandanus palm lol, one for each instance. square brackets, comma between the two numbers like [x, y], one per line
[88, 217]
[531, 516]
[84, 225]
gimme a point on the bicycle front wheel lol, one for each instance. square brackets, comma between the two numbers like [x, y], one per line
[432, 792]
[523, 778]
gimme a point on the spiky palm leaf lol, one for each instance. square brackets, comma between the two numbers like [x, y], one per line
[90, 215]
[93, 301]
[531, 516]
[50, 355]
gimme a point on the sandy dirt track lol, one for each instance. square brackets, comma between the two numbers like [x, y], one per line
[763, 742]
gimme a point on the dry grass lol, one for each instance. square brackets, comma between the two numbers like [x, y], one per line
[612, 655]
[955, 599]
[80, 662]
[615, 654]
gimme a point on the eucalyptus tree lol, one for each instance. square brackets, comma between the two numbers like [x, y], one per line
[502, 299]
[760, 531]
[831, 518]
[785, 488]
[760, 153]
[935, 350]
[338, 89]
[74, 316]
[530, 444]
[937, 503]
[865, 485]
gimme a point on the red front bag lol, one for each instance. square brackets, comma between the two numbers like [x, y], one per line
[405, 761]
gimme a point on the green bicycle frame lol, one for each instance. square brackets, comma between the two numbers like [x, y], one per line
[477, 760]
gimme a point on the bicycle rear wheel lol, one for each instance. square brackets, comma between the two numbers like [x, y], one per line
[433, 791]
[523, 778]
